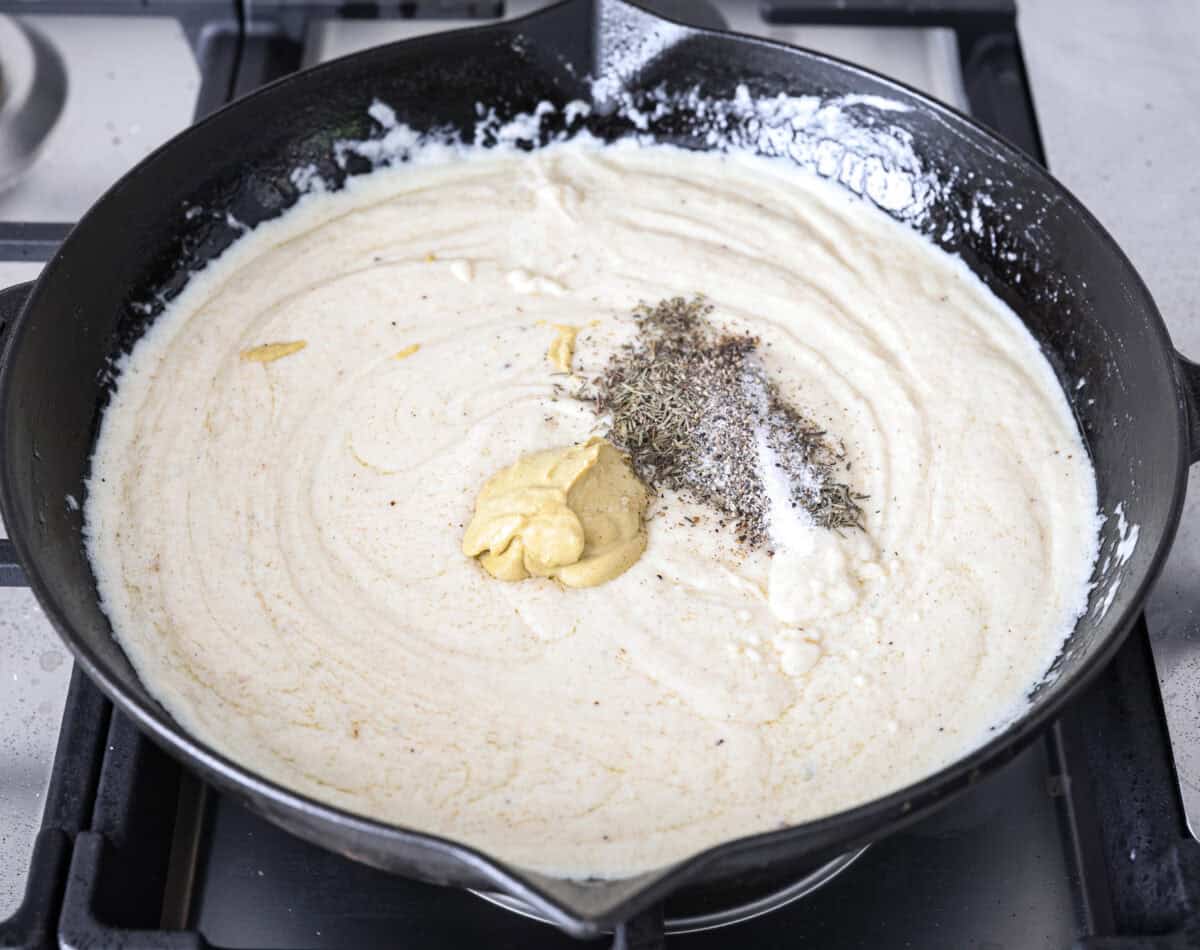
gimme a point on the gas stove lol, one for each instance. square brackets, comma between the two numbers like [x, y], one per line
[106, 842]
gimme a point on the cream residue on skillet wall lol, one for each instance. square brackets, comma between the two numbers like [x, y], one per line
[289, 614]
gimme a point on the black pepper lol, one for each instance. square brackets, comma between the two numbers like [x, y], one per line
[692, 407]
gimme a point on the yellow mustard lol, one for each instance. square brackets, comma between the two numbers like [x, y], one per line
[575, 514]
[562, 347]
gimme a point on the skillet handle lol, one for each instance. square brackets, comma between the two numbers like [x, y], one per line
[643, 931]
[12, 300]
[1173, 624]
[1189, 373]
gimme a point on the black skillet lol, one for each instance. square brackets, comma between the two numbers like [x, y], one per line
[976, 196]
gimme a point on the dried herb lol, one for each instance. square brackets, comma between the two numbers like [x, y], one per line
[693, 408]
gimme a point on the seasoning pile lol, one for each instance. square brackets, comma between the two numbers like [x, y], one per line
[696, 413]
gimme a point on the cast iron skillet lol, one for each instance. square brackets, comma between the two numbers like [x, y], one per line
[975, 195]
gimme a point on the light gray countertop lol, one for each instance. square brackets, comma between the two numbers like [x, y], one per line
[1116, 86]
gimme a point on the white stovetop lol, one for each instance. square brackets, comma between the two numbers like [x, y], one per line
[1116, 92]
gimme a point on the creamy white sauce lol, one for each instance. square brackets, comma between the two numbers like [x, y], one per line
[277, 544]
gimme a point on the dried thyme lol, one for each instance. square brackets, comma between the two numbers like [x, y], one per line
[695, 411]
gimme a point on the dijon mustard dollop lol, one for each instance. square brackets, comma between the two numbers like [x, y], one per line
[562, 347]
[574, 513]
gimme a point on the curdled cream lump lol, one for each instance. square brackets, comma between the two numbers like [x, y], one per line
[330, 452]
